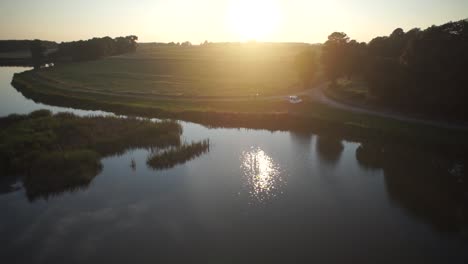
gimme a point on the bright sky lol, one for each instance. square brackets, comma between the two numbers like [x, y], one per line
[220, 20]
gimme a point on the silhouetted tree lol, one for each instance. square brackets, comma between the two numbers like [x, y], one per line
[37, 53]
[186, 44]
[334, 51]
[306, 66]
[392, 46]
[355, 59]
[420, 71]
[96, 48]
[23, 45]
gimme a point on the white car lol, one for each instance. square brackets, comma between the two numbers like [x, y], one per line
[293, 99]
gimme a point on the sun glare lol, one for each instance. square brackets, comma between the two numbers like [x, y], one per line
[263, 177]
[254, 19]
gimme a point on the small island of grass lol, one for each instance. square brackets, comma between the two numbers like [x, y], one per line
[181, 154]
[55, 153]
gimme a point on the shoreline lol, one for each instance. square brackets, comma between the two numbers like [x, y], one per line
[272, 121]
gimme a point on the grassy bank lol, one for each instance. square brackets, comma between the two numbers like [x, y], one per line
[62, 152]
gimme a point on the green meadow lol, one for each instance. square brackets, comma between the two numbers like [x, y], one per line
[226, 70]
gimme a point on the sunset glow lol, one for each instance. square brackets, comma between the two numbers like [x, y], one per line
[254, 20]
[221, 20]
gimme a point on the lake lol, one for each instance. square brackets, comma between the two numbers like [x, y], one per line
[256, 197]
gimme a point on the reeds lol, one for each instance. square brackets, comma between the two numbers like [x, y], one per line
[178, 155]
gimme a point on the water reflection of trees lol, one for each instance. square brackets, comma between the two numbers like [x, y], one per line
[55, 173]
[329, 149]
[8, 184]
[427, 185]
[301, 140]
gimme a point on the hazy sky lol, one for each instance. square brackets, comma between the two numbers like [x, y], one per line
[220, 20]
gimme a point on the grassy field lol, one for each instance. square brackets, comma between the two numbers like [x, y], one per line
[206, 71]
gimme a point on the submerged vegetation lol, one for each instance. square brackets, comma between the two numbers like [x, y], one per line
[61, 152]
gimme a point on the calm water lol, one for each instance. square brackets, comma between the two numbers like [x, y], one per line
[256, 197]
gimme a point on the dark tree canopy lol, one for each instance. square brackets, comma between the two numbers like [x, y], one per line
[338, 37]
[95, 48]
[186, 44]
[37, 53]
[334, 51]
[306, 66]
[342, 56]
[23, 45]
[422, 71]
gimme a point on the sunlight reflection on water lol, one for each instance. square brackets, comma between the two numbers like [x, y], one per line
[262, 176]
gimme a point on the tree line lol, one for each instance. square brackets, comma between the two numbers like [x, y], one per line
[421, 71]
[23, 45]
[82, 50]
[95, 48]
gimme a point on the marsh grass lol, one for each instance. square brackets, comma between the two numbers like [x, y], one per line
[24, 139]
[61, 152]
[172, 157]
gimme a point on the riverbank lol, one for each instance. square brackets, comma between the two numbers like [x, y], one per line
[256, 114]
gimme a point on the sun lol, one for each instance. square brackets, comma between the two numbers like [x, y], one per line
[253, 19]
